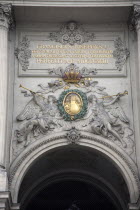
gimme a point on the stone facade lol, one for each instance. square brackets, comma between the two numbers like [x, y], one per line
[69, 80]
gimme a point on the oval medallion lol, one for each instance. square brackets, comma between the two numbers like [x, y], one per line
[72, 103]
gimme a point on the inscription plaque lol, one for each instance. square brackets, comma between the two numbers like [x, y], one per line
[106, 52]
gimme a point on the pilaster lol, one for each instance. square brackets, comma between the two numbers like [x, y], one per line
[6, 22]
[134, 23]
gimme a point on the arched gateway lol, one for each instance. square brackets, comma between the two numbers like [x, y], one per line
[69, 105]
[93, 161]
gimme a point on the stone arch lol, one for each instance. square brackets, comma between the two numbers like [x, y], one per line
[119, 158]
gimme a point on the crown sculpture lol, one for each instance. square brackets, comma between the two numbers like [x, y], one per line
[72, 75]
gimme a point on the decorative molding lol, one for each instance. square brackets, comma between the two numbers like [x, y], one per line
[71, 33]
[73, 3]
[121, 53]
[134, 19]
[73, 135]
[6, 16]
[23, 53]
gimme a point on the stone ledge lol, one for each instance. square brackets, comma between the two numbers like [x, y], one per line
[135, 206]
[6, 202]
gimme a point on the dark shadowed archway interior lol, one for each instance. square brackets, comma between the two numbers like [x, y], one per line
[73, 177]
[71, 195]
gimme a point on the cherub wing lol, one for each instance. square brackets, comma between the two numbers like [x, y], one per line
[30, 111]
[116, 111]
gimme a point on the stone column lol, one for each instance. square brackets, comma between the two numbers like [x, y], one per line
[135, 26]
[5, 23]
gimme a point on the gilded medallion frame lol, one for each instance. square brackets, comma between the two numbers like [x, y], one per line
[83, 110]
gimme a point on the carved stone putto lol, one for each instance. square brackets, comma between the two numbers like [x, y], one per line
[6, 15]
[23, 53]
[71, 33]
[121, 53]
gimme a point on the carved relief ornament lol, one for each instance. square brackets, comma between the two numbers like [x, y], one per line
[6, 16]
[90, 109]
[71, 33]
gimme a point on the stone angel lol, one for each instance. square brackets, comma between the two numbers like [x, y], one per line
[105, 115]
[38, 117]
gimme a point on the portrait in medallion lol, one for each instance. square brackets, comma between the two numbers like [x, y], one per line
[72, 104]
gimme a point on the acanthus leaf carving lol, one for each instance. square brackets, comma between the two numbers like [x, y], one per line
[71, 33]
[6, 15]
[121, 53]
[134, 19]
[23, 53]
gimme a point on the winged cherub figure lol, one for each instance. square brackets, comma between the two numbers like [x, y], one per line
[39, 116]
[102, 123]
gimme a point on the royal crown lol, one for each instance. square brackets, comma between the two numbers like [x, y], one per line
[71, 74]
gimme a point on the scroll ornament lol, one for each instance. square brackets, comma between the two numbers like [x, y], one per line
[71, 33]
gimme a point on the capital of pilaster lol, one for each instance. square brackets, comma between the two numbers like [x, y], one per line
[6, 16]
[134, 19]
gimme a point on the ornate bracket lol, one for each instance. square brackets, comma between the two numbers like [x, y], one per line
[23, 53]
[6, 15]
[71, 33]
[121, 53]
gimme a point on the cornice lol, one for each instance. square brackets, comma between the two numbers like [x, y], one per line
[74, 3]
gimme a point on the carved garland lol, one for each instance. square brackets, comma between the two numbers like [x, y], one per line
[81, 137]
[121, 53]
[23, 53]
[83, 111]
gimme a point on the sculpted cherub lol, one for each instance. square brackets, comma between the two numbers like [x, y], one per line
[39, 116]
[102, 122]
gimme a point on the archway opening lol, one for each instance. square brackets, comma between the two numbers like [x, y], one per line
[73, 175]
[71, 195]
